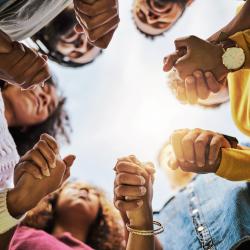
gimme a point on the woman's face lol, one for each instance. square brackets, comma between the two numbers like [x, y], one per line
[76, 48]
[77, 200]
[31, 107]
[154, 19]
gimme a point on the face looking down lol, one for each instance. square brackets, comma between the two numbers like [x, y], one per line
[154, 17]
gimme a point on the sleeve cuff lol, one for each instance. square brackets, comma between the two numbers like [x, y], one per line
[234, 165]
[7, 221]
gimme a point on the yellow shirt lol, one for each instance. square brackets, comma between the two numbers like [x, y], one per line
[235, 163]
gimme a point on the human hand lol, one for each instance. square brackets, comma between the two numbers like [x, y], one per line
[42, 158]
[192, 54]
[98, 19]
[133, 190]
[20, 65]
[28, 191]
[197, 150]
[196, 87]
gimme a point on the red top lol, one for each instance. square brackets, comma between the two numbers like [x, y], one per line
[26, 238]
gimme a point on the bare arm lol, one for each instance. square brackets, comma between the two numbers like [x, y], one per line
[240, 22]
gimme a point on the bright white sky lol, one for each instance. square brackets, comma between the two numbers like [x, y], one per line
[120, 105]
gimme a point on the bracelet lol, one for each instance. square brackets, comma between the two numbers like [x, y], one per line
[156, 231]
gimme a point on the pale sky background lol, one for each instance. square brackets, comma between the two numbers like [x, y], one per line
[120, 105]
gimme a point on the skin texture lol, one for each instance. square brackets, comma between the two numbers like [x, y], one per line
[189, 57]
[133, 198]
[197, 150]
[29, 189]
[198, 88]
[153, 20]
[76, 202]
[239, 23]
[20, 65]
[76, 48]
[98, 20]
[29, 107]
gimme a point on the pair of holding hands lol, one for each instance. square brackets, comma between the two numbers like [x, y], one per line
[98, 19]
[198, 64]
[196, 150]
[21, 65]
[39, 172]
[133, 191]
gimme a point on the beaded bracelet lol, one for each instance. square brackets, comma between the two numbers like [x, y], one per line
[156, 231]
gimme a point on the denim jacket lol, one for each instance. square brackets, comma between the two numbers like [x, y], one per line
[210, 213]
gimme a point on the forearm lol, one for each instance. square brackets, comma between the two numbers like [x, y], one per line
[239, 23]
[136, 242]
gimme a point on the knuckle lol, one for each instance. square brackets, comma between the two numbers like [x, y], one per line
[199, 142]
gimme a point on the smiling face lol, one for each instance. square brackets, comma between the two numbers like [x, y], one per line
[78, 201]
[154, 17]
[30, 107]
[75, 47]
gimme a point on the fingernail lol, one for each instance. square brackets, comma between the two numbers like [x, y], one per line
[181, 160]
[200, 165]
[190, 80]
[116, 203]
[53, 165]
[211, 162]
[143, 190]
[39, 176]
[208, 74]
[46, 172]
[142, 180]
[139, 203]
[192, 162]
[197, 74]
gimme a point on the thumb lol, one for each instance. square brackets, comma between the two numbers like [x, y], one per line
[170, 61]
[69, 160]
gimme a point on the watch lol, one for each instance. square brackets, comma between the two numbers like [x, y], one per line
[233, 57]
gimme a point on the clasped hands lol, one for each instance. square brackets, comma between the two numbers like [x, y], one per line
[39, 172]
[196, 150]
[199, 67]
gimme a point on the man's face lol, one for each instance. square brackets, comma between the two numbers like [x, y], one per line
[154, 17]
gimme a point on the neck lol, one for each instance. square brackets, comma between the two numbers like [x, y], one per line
[9, 115]
[79, 232]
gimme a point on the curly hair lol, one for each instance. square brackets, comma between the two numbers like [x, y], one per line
[107, 232]
[48, 37]
[57, 125]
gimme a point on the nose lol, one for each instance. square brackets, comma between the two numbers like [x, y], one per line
[81, 44]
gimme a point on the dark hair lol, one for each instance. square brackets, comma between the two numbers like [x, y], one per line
[182, 3]
[57, 125]
[106, 233]
[48, 37]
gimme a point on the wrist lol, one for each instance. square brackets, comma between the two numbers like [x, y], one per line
[16, 203]
[143, 221]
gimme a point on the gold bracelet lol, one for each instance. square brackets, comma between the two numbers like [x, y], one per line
[156, 231]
